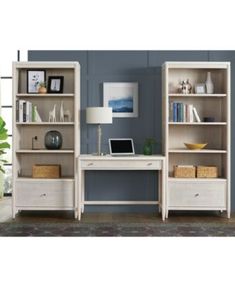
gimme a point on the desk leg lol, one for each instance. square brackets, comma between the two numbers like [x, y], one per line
[163, 189]
[82, 190]
[79, 192]
[159, 191]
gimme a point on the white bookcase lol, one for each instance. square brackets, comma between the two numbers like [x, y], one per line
[197, 193]
[46, 194]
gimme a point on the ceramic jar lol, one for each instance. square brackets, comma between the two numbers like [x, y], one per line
[53, 140]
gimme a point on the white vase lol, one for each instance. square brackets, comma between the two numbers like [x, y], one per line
[209, 84]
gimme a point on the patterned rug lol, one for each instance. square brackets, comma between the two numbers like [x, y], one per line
[117, 229]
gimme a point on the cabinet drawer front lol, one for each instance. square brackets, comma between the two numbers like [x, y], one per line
[45, 194]
[185, 194]
[122, 164]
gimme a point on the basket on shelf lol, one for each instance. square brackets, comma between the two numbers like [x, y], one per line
[184, 171]
[46, 171]
[207, 171]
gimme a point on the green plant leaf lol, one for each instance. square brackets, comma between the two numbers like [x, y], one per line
[4, 145]
[2, 170]
[2, 123]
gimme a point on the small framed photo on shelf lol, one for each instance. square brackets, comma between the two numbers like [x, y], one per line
[55, 84]
[200, 88]
[122, 98]
[34, 78]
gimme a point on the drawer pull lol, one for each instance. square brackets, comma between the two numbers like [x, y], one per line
[150, 163]
[196, 195]
[43, 194]
[90, 164]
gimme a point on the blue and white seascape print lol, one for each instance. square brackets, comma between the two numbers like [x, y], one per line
[122, 104]
[122, 98]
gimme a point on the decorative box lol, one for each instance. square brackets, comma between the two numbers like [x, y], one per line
[46, 171]
[207, 171]
[184, 171]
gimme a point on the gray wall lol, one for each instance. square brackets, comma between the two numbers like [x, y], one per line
[143, 67]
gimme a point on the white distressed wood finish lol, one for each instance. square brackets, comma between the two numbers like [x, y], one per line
[197, 95]
[44, 151]
[202, 194]
[47, 124]
[121, 164]
[190, 151]
[217, 134]
[45, 193]
[140, 162]
[44, 95]
[60, 193]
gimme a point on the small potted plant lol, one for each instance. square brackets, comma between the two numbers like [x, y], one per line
[42, 88]
[148, 146]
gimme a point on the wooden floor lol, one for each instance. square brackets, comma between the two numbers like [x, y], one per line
[67, 216]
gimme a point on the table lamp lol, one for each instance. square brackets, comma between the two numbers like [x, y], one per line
[99, 115]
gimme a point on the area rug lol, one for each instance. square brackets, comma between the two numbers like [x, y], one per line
[117, 229]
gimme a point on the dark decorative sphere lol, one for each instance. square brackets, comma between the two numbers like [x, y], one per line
[53, 140]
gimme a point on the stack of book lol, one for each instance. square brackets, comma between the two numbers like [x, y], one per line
[25, 111]
[180, 112]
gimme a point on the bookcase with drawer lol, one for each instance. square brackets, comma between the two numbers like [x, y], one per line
[197, 193]
[46, 193]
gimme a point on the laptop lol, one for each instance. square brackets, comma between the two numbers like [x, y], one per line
[121, 146]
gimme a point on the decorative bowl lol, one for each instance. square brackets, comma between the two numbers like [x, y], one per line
[195, 145]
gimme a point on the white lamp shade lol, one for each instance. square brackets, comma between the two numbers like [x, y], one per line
[99, 115]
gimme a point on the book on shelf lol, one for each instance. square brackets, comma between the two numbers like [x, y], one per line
[25, 111]
[21, 103]
[171, 112]
[17, 110]
[190, 114]
[196, 115]
[180, 112]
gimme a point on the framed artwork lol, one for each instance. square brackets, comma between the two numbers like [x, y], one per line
[122, 98]
[200, 88]
[55, 84]
[34, 78]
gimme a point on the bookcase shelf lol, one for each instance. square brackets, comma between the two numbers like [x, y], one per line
[30, 179]
[197, 193]
[44, 151]
[28, 138]
[198, 123]
[46, 123]
[196, 180]
[196, 151]
[197, 95]
[25, 95]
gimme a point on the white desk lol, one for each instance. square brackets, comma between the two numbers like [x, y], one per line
[141, 162]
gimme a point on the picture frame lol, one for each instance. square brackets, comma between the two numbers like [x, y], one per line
[122, 98]
[55, 84]
[200, 88]
[34, 78]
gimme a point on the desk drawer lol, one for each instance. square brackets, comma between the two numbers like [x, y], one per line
[207, 194]
[121, 165]
[45, 194]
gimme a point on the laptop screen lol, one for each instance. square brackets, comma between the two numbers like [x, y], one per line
[121, 147]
